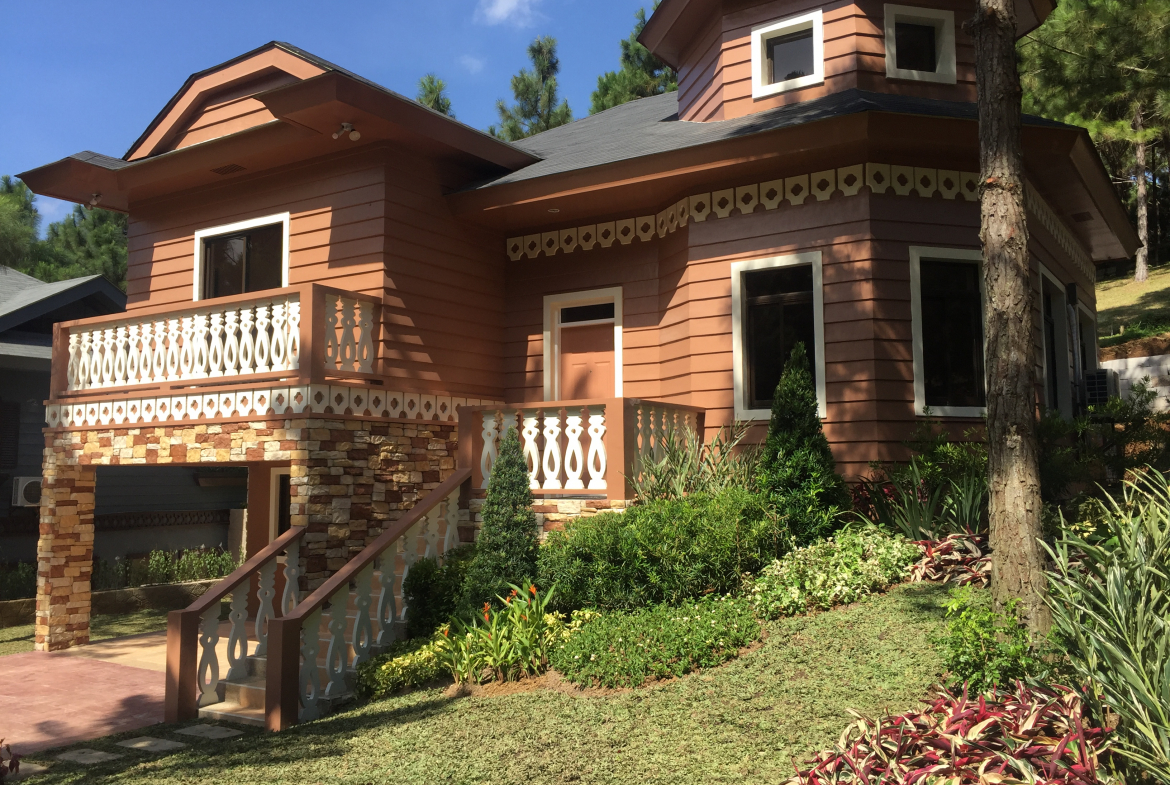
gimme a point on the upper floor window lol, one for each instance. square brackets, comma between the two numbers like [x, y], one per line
[787, 54]
[947, 314]
[920, 44]
[248, 256]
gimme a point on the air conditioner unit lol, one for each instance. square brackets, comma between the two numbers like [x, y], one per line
[1100, 386]
[26, 491]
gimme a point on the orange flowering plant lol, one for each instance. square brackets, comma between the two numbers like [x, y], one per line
[510, 642]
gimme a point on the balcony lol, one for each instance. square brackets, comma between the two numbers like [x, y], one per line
[245, 355]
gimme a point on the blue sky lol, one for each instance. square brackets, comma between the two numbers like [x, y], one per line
[90, 76]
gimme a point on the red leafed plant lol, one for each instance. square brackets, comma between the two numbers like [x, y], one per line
[1029, 735]
[9, 761]
[958, 558]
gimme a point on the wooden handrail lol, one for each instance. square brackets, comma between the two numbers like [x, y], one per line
[581, 402]
[245, 571]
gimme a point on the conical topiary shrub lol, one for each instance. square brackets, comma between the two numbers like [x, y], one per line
[797, 470]
[505, 552]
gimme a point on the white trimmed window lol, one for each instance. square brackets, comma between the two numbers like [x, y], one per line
[788, 54]
[1058, 350]
[920, 44]
[775, 303]
[946, 311]
[247, 256]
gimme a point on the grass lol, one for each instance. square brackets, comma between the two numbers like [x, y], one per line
[14, 640]
[744, 721]
[1142, 308]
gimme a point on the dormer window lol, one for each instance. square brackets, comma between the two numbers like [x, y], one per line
[787, 55]
[249, 256]
[920, 44]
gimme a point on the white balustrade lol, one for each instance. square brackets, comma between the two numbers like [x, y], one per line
[349, 334]
[203, 343]
[572, 447]
[265, 591]
[208, 673]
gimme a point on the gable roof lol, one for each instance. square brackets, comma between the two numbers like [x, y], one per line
[24, 298]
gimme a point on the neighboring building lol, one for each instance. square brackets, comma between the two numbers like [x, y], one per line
[322, 271]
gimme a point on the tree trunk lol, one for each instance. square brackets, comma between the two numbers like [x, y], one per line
[1141, 269]
[1017, 562]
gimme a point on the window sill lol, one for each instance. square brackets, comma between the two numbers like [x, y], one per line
[979, 412]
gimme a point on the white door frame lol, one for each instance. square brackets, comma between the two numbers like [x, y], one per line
[553, 303]
[274, 497]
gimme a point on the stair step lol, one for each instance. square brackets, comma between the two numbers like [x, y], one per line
[228, 711]
[247, 692]
[257, 666]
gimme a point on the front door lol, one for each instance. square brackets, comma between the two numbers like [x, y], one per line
[587, 361]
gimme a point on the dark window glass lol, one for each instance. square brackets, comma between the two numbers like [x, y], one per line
[790, 56]
[778, 312]
[283, 504]
[952, 334]
[9, 434]
[1050, 353]
[915, 47]
[245, 262]
[586, 313]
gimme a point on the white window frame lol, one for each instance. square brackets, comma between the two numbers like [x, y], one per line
[917, 254]
[235, 228]
[553, 303]
[739, 351]
[1090, 316]
[1064, 402]
[274, 498]
[761, 34]
[943, 22]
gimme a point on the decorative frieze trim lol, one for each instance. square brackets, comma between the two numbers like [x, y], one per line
[263, 402]
[796, 190]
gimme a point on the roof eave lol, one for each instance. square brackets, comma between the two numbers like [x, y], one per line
[93, 286]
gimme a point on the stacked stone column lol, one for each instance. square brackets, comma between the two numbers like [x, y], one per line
[64, 554]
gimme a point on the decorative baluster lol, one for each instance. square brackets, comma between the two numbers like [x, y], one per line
[121, 348]
[552, 448]
[332, 349]
[161, 339]
[363, 631]
[292, 575]
[574, 455]
[530, 433]
[85, 362]
[279, 351]
[265, 591]
[348, 351]
[72, 370]
[202, 364]
[134, 354]
[237, 648]
[451, 516]
[310, 681]
[387, 605]
[643, 437]
[430, 533]
[247, 341]
[108, 353]
[487, 458]
[208, 660]
[231, 343]
[293, 349]
[336, 655]
[409, 557]
[263, 340]
[174, 348]
[597, 457]
[146, 359]
[186, 347]
[365, 338]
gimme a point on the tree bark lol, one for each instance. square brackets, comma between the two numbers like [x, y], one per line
[1017, 561]
[1141, 268]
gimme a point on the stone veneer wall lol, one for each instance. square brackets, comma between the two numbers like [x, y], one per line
[553, 512]
[350, 477]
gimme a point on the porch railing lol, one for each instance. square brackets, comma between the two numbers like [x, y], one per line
[588, 447]
[307, 333]
[315, 648]
[195, 676]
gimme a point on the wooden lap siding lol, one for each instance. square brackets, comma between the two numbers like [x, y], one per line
[715, 77]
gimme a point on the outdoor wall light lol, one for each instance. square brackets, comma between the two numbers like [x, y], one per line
[347, 128]
[93, 201]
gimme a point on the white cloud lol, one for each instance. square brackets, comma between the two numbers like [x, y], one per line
[473, 64]
[516, 12]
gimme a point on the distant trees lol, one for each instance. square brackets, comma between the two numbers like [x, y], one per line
[432, 93]
[85, 242]
[641, 74]
[538, 107]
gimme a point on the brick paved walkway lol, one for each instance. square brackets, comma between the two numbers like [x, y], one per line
[52, 699]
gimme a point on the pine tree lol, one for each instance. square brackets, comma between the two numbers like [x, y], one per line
[797, 469]
[432, 93]
[537, 108]
[505, 551]
[641, 74]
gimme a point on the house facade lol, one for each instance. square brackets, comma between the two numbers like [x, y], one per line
[354, 296]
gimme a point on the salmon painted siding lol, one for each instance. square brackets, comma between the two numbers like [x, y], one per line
[715, 76]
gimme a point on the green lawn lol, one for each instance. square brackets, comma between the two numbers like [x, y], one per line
[17, 639]
[743, 722]
[1142, 308]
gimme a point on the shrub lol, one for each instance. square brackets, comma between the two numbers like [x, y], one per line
[623, 649]
[407, 664]
[843, 569]
[18, 580]
[513, 640]
[797, 470]
[688, 466]
[1110, 602]
[662, 551]
[433, 592]
[505, 552]
[982, 648]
